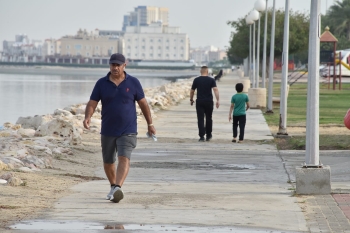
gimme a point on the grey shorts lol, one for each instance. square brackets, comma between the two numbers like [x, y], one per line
[123, 145]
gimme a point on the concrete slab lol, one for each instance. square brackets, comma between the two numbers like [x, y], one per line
[316, 181]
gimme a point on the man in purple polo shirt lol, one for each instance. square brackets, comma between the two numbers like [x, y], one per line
[118, 92]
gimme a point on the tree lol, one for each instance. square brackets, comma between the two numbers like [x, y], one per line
[298, 35]
[338, 17]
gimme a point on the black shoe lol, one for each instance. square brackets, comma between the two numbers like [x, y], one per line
[209, 137]
[201, 139]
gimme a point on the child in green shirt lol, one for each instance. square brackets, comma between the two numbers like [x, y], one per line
[239, 106]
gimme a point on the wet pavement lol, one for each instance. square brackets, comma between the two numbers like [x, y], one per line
[178, 184]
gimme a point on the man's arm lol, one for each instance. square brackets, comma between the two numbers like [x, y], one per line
[191, 96]
[89, 110]
[216, 92]
[230, 113]
[147, 114]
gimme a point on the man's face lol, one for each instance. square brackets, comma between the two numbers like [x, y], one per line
[116, 69]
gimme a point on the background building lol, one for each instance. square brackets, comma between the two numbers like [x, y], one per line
[205, 55]
[21, 50]
[146, 15]
[90, 44]
[155, 42]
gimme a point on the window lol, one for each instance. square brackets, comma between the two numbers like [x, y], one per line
[143, 40]
[159, 55]
[167, 40]
[181, 55]
[128, 54]
[87, 54]
[151, 47]
[174, 40]
[182, 47]
[129, 40]
[143, 47]
[175, 47]
[151, 40]
[167, 55]
[128, 47]
[68, 47]
[96, 47]
[159, 40]
[135, 47]
[167, 47]
[135, 54]
[77, 46]
[151, 54]
[181, 41]
[174, 55]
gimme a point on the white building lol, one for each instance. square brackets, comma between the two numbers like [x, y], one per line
[155, 42]
[204, 55]
[51, 47]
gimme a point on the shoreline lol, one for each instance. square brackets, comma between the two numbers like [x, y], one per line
[94, 71]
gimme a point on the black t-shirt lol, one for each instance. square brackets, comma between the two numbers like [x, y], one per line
[204, 84]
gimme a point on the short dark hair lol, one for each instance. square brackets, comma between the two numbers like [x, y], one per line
[204, 67]
[239, 87]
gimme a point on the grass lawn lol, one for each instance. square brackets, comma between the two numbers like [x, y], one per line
[333, 105]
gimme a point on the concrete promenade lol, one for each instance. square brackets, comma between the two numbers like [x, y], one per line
[180, 184]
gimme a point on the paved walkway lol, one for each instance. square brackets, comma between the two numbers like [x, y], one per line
[180, 184]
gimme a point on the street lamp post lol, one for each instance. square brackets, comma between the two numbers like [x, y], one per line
[282, 130]
[272, 60]
[254, 15]
[263, 77]
[260, 6]
[249, 22]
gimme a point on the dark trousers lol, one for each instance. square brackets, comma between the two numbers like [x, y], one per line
[239, 120]
[205, 109]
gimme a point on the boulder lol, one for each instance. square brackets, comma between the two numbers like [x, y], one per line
[26, 133]
[60, 128]
[14, 181]
[33, 122]
[7, 176]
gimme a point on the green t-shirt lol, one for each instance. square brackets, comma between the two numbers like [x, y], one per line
[239, 100]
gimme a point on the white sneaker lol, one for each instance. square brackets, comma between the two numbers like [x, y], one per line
[110, 194]
[117, 195]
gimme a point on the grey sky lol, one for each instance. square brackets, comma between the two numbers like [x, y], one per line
[204, 21]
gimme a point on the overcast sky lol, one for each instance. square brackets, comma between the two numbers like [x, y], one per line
[204, 21]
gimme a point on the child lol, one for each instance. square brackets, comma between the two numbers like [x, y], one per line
[239, 105]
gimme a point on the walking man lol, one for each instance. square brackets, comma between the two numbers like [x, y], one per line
[118, 92]
[204, 102]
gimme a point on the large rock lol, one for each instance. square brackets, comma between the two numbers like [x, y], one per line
[26, 133]
[14, 181]
[33, 122]
[60, 128]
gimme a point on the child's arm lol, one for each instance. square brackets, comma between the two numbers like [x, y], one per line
[247, 106]
[230, 113]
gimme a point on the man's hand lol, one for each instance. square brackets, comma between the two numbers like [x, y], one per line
[191, 102]
[217, 104]
[151, 130]
[86, 123]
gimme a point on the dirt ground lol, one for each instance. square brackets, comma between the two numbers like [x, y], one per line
[41, 189]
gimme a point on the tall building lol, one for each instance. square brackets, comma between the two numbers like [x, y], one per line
[146, 15]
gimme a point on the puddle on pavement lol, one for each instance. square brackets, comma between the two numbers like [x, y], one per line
[47, 226]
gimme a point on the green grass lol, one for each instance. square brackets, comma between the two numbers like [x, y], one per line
[333, 105]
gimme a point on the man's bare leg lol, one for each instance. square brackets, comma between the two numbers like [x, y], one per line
[122, 170]
[118, 176]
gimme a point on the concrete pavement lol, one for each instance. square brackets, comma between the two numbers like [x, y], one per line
[180, 184]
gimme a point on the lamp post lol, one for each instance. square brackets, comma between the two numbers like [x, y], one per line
[312, 119]
[260, 6]
[272, 60]
[254, 15]
[282, 130]
[249, 22]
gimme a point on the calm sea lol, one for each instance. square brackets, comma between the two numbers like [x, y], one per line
[24, 95]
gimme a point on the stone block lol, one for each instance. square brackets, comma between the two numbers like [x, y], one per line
[313, 181]
[257, 98]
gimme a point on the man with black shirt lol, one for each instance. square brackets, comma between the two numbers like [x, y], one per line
[204, 103]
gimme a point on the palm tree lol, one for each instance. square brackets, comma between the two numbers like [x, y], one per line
[339, 17]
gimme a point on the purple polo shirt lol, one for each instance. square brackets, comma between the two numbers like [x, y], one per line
[118, 104]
